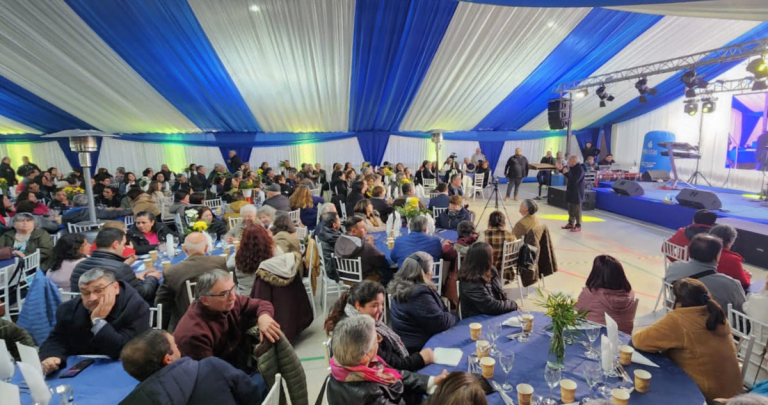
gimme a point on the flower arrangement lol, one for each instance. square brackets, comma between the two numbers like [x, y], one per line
[562, 309]
[366, 164]
[260, 172]
[411, 209]
[144, 181]
[4, 185]
[282, 164]
[388, 171]
[199, 226]
[72, 192]
[403, 181]
[247, 185]
[194, 224]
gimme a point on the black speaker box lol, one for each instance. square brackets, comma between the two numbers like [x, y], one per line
[655, 175]
[558, 113]
[556, 197]
[699, 199]
[628, 187]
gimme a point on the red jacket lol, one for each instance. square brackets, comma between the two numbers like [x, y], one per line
[683, 236]
[730, 265]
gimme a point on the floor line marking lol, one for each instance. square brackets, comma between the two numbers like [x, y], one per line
[623, 262]
[621, 247]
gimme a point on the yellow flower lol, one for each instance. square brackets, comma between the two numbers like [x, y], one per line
[200, 226]
[414, 202]
[388, 172]
[406, 181]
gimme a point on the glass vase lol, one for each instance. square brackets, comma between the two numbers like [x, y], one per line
[556, 356]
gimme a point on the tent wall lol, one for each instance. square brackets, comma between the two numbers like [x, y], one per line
[533, 149]
[325, 153]
[411, 152]
[137, 156]
[44, 154]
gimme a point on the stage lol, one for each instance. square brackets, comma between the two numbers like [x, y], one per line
[740, 209]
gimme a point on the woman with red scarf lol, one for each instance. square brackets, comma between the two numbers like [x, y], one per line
[360, 376]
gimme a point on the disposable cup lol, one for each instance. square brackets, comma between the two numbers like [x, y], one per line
[482, 348]
[475, 330]
[619, 396]
[166, 264]
[487, 364]
[148, 264]
[568, 391]
[642, 381]
[625, 356]
[527, 323]
[153, 255]
[524, 394]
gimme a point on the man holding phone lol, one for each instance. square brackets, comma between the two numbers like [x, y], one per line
[102, 320]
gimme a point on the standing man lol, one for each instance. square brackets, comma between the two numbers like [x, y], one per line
[545, 176]
[574, 192]
[589, 150]
[234, 161]
[515, 171]
[27, 166]
[477, 157]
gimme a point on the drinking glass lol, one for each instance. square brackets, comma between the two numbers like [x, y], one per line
[593, 375]
[506, 360]
[493, 330]
[523, 337]
[592, 334]
[552, 375]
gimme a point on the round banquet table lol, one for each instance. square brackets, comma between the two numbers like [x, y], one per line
[669, 383]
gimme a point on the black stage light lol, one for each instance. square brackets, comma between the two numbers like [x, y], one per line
[702, 84]
[691, 107]
[602, 103]
[643, 99]
[603, 94]
[708, 106]
[759, 85]
[642, 86]
[689, 79]
[758, 68]
[690, 93]
[611, 98]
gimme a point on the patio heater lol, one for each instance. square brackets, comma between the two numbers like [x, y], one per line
[437, 139]
[83, 142]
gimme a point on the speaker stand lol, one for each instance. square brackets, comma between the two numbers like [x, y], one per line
[696, 174]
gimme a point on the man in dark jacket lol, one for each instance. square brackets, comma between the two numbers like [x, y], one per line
[79, 211]
[441, 200]
[416, 241]
[154, 359]
[234, 161]
[199, 182]
[355, 244]
[379, 203]
[328, 232]
[456, 213]
[24, 169]
[7, 172]
[544, 177]
[574, 192]
[101, 321]
[356, 193]
[589, 150]
[515, 171]
[276, 199]
[110, 245]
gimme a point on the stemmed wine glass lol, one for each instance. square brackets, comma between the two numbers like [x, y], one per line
[592, 333]
[593, 375]
[552, 375]
[493, 332]
[506, 360]
[523, 336]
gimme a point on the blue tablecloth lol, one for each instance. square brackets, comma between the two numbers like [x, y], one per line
[103, 382]
[669, 384]
[7, 262]
[380, 239]
[756, 287]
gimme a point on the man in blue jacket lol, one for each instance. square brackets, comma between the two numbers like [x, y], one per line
[416, 241]
[441, 200]
[154, 359]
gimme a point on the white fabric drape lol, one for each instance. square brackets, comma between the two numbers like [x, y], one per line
[487, 51]
[44, 154]
[671, 37]
[137, 156]
[533, 150]
[291, 60]
[9, 126]
[735, 131]
[411, 152]
[50, 51]
[628, 139]
[755, 101]
[754, 10]
[325, 153]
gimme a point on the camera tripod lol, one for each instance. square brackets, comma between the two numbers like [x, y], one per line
[495, 197]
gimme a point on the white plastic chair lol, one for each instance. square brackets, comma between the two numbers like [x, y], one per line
[436, 211]
[477, 186]
[67, 295]
[437, 276]
[343, 211]
[273, 397]
[301, 232]
[432, 183]
[743, 326]
[316, 192]
[180, 223]
[190, 291]
[129, 221]
[75, 228]
[308, 281]
[55, 238]
[674, 252]
[458, 292]
[350, 270]
[5, 275]
[295, 216]
[233, 222]
[330, 286]
[216, 202]
[433, 195]
[159, 312]
[509, 257]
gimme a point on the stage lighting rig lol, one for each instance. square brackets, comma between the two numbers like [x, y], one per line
[691, 81]
[759, 68]
[580, 93]
[642, 88]
[603, 95]
[708, 105]
[691, 107]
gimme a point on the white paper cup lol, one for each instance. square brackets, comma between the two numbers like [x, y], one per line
[642, 381]
[568, 391]
[524, 394]
[475, 330]
[487, 364]
[619, 396]
[625, 356]
[483, 346]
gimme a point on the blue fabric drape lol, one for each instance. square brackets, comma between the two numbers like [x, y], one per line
[672, 89]
[492, 152]
[373, 145]
[598, 38]
[165, 44]
[72, 158]
[23, 106]
[244, 153]
[394, 44]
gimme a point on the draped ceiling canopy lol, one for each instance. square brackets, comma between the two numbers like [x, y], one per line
[237, 73]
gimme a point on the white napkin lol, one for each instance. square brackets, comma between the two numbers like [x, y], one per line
[640, 359]
[397, 223]
[606, 357]
[513, 322]
[6, 363]
[29, 356]
[9, 393]
[613, 334]
[388, 228]
[448, 357]
[37, 388]
[389, 192]
[170, 249]
[430, 225]
[396, 192]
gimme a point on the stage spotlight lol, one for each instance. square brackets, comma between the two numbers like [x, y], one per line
[690, 93]
[643, 99]
[691, 107]
[759, 85]
[703, 84]
[602, 103]
[642, 88]
[689, 78]
[758, 68]
[580, 93]
[708, 106]
[603, 94]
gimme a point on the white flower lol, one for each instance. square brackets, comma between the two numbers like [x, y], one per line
[191, 213]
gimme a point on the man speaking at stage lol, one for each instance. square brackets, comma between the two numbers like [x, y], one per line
[574, 192]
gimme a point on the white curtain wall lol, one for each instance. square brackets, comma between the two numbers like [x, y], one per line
[45, 155]
[325, 153]
[533, 149]
[411, 152]
[137, 156]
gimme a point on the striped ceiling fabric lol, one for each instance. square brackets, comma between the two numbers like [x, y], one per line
[290, 72]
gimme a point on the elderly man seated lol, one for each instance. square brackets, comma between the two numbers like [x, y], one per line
[360, 376]
[165, 377]
[79, 211]
[276, 199]
[102, 320]
[215, 325]
[172, 293]
[705, 251]
[416, 241]
[408, 193]
[248, 213]
[356, 244]
[528, 210]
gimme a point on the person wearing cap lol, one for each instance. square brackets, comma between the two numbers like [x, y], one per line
[276, 199]
[703, 221]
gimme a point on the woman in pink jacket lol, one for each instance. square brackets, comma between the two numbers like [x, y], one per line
[608, 292]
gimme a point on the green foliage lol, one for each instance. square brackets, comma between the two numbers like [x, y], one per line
[562, 309]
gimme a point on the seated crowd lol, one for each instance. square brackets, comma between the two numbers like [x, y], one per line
[230, 321]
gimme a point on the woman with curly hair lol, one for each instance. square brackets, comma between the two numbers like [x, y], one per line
[215, 226]
[303, 200]
[256, 245]
[70, 250]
